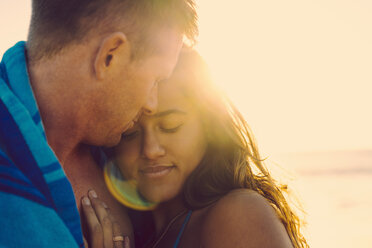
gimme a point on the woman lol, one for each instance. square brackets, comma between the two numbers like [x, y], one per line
[196, 164]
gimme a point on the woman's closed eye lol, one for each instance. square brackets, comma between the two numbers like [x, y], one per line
[170, 127]
[172, 122]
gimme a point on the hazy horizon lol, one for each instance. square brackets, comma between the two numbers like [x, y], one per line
[333, 189]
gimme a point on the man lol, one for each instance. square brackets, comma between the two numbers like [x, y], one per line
[87, 71]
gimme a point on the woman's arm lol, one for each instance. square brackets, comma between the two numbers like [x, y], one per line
[103, 229]
[243, 218]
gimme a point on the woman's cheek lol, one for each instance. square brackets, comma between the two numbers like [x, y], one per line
[127, 159]
[191, 148]
[130, 149]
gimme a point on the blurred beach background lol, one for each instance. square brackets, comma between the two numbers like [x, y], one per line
[300, 72]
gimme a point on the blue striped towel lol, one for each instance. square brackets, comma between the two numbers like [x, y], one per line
[37, 204]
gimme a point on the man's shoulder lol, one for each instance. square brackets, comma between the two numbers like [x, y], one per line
[27, 210]
[30, 224]
[14, 181]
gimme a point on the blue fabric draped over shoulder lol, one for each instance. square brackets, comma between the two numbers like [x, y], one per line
[37, 204]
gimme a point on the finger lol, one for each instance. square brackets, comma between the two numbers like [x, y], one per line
[103, 218]
[94, 226]
[119, 241]
[126, 242]
[116, 229]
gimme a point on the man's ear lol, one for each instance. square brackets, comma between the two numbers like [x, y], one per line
[113, 50]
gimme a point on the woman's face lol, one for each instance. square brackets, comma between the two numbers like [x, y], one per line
[161, 151]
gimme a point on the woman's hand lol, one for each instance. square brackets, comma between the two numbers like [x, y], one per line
[104, 231]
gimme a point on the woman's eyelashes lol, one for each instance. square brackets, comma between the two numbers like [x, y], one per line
[164, 126]
[170, 129]
[171, 123]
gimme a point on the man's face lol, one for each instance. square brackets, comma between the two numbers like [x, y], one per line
[132, 90]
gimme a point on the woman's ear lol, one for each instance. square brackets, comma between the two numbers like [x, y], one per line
[113, 50]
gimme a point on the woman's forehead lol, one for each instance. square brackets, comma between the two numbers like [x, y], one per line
[172, 97]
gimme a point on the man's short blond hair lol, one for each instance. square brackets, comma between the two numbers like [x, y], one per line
[56, 24]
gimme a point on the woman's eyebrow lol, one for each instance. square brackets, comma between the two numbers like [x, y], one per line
[170, 111]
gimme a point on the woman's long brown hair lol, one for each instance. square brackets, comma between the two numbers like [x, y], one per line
[232, 159]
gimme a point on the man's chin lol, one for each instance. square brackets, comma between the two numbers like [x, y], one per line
[128, 126]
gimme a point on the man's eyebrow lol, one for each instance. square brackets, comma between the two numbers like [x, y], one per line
[168, 112]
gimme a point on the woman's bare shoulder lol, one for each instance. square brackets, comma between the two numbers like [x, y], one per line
[243, 218]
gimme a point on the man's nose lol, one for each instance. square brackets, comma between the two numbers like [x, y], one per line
[152, 101]
[152, 149]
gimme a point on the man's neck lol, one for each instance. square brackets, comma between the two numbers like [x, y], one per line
[63, 98]
[60, 108]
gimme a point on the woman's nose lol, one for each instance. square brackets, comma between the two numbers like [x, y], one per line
[152, 149]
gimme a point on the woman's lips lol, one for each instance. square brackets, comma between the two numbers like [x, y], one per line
[156, 170]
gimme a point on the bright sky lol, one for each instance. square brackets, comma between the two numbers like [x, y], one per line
[300, 71]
